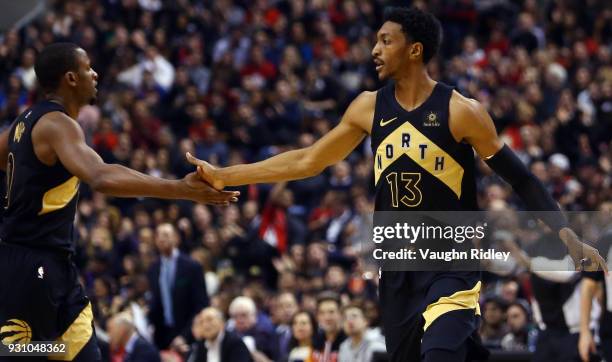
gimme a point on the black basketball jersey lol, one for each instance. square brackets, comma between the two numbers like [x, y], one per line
[418, 165]
[40, 202]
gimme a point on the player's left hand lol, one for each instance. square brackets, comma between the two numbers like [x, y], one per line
[585, 257]
[206, 171]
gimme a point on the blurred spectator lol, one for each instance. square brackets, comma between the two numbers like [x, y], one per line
[327, 342]
[286, 308]
[518, 339]
[493, 327]
[125, 343]
[303, 329]
[357, 347]
[258, 339]
[213, 343]
[178, 290]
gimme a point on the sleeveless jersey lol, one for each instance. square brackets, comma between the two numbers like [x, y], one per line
[40, 202]
[418, 165]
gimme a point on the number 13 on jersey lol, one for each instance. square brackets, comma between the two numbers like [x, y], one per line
[411, 193]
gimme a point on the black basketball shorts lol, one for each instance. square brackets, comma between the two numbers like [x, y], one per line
[42, 300]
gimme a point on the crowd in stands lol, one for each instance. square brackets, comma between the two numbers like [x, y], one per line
[285, 274]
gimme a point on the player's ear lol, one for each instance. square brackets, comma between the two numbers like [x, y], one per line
[71, 77]
[416, 50]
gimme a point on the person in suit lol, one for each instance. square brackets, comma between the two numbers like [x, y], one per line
[126, 345]
[178, 291]
[213, 343]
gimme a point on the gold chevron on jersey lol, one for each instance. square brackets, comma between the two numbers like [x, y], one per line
[452, 173]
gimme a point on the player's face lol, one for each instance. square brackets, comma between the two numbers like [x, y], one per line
[391, 50]
[88, 78]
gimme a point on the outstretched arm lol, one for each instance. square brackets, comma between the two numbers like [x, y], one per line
[300, 163]
[64, 137]
[470, 122]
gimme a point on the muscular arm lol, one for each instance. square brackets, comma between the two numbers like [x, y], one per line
[305, 162]
[470, 122]
[66, 140]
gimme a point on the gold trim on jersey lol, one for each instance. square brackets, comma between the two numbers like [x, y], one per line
[59, 196]
[77, 335]
[451, 174]
[19, 132]
[464, 299]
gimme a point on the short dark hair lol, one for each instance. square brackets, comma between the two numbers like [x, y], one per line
[328, 296]
[53, 62]
[417, 26]
[354, 305]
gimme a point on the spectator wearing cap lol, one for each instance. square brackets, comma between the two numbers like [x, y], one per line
[126, 345]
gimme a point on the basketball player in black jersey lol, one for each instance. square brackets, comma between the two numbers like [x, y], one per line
[423, 134]
[45, 158]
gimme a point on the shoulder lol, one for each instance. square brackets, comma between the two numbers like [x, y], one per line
[143, 345]
[344, 345]
[365, 101]
[463, 107]
[57, 117]
[154, 268]
[233, 341]
[468, 118]
[361, 110]
[56, 123]
[187, 261]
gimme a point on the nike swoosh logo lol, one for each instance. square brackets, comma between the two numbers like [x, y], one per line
[384, 123]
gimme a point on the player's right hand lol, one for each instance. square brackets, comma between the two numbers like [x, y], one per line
[201, 192]
[586, 345]
[206, 171]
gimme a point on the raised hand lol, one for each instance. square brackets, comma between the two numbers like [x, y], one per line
[206, 171]
[200, 191]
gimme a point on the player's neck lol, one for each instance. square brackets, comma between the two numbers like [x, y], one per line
[413, 88]
[71, 108]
